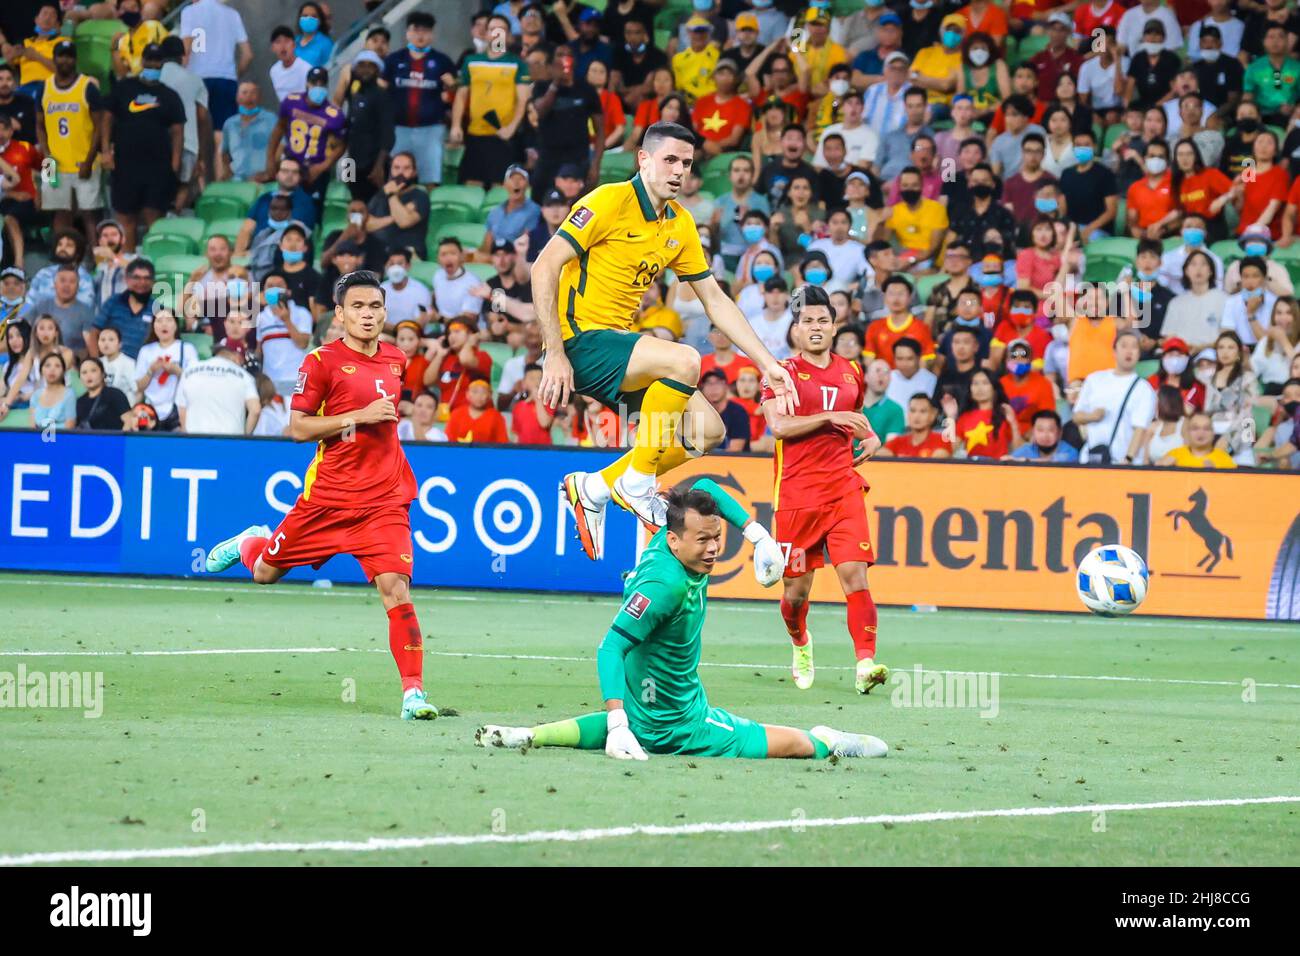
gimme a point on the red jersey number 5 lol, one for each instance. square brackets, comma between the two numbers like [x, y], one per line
[379, 387]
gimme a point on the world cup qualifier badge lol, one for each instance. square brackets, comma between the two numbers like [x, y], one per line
[636, 605]
[301, 387]
[581, 216]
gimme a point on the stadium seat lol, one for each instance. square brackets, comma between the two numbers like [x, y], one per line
[73, 381]
[721, 163]
[926, 284]
[495, 197]
[1173, 242]
[192, 229]
[223, 227]
[94, 42]
[1262, 416]
[201, 341]
[245, 192]
[1103, 268]
[1117, 247]
[470, 234]
[17, 418]
[484, 270]
[219, 207]
[1289, 255]
[1113, 132]
[471, 196]
[617, 167]
[1227, 249]
[156, 247]
[338, 190]
[167, 267]
[422, 271]
[1026, 49]
[718, 183]
[1147, 367]
[499, 352]
[451, 158]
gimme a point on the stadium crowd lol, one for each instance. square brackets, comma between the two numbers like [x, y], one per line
[1052, 231]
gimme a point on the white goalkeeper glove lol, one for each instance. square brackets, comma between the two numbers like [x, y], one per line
[619, 741]
[769, 560]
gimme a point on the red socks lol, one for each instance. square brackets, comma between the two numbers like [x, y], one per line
[250, 549]
[796, 620]
[862, 623]
[407, 645]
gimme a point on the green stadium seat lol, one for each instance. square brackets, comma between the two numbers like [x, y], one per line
[499, 352]
[1147, 367]
[484, 270]
[1113, 132]
[73, 381]
[245, 192]
[223, 227]
[470, 234]
[1293, 270]
[471, 196]
[495, 197]
[1172, 242]
[662, 37]
[422, 271]
[17, 418]
[219, 207]
[334, 220]
[722, 163]
[1103, 268]
[1227, 250]
[338, 190]
[156, 247]
[1026, 49]
[926, 284]
[168, 267]
[191, 228]
[717, 183]
[451, 158]
[201, 341]
[1116, 247]
[1288, 255]
[617, 167]
[1262, 416]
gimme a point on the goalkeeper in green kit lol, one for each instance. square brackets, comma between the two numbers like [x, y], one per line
[648, 662]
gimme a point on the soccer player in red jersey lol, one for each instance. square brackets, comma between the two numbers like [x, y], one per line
[819, 499]
[357, 494]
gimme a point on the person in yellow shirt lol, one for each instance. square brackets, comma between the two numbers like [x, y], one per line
[936, 67]
[34, 57]
[69, 118]
[693, 67]
[143, 28]
[588, 284]
[815, 52]
[1200, 450]
[918, 223]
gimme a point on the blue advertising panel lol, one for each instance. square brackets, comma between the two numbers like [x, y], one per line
[490, 517]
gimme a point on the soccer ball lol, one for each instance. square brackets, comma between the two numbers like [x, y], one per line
[1112, 580]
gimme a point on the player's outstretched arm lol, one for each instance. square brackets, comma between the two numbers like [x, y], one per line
[304, 427]
[557, 373]
[727, 316]
[769, 561]
[620, 742]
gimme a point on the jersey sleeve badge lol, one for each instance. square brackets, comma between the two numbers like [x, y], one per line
[637, 605]
[581, 216]
[301, 386]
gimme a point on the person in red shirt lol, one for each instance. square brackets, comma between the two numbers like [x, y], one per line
[1152, 209]
[983, 16]
[1261, 191]
[819, 499]
[356, 496]
[920, 440]
[611, 106]
[530, 418]
[1058, 58]
[1028, 390]
[724, 356]
[749, 396]
[477, 421]
[723, 117]
[1195, 186]
[456, 354]
[899, 323]
[1024, 82]
[1092, 16]
[18, 160]
[407, 337]
[1020, 324]
[1176, 371]
[986, 424]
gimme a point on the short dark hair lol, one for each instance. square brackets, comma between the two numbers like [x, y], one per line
[658, 132]
[1024, 295]
[680, 502]
[1046, 413]
[450, 241]
[793, 126]
[1154, 246]
[361, 279]
[1033, 138]
[140, 264]
[925, 397]
[907, 342]
[915, 91]
[421, 19]
[1020, 103]
[382, 31]
[896, 279]
[281, 31]
[806, 295]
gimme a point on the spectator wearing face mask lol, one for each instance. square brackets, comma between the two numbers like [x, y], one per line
[1028, 391]
[1044, 443]
[288, 184]
[244, 136]
[1152, 210]
[1280, 442]
[311, 130]
[399, 213]
[1256, 242]
[372, 250]
[196, 150]
[284, 331]
[404, 298]
[1176, 372]
[313, 43]
[295, 267]
[421, 80]
[1171, 261]
[1248, 311]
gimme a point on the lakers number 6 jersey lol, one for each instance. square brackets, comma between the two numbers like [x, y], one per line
[69, 120]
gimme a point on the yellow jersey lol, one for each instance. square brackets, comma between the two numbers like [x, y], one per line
[937, 63]
[29, 71]
[1184, 457]
[70, 120]
[693, 72]
[915, 228]
[493, 93]
[130, 46]
[622, 247]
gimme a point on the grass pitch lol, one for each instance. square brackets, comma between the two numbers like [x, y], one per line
[267, 733]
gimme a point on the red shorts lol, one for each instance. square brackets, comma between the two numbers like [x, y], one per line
[378, 537]
[839, 528]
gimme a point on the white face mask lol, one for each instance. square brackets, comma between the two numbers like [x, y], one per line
[1174, 364]
[979, 56]
[356, 218]
[1209, 56]
[1152, 48]
[1203, 375]
[396, 274]
[1156, 165]
[839, 87]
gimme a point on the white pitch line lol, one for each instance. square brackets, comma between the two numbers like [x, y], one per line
[555, 658]
[718, 604]
[375, 844]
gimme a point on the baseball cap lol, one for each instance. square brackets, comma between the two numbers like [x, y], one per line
[516, 168]
[68, 48]
[570, 171]
[747, 21]
[318, 75]
[713, 373]
[1019, 345]
[554, 198]
[698, 23]
[588, 14]
[862, 177]
[151, 52]
[1175, 344]
[369, 56]
[503, 245]
[817, 16]
[1062, 18]
[13, 272]
[297, 226]
[890, 17]
[896, 56]
[1207, 355]
[347, 248]
[953, 19]
[726, 63]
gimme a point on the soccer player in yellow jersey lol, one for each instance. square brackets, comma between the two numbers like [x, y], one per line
[587, 284]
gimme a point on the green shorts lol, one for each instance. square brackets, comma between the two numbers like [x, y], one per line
[600, 358]
[718, 734]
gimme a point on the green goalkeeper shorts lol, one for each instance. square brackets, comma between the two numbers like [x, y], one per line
[717, 734]
[600, 358]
